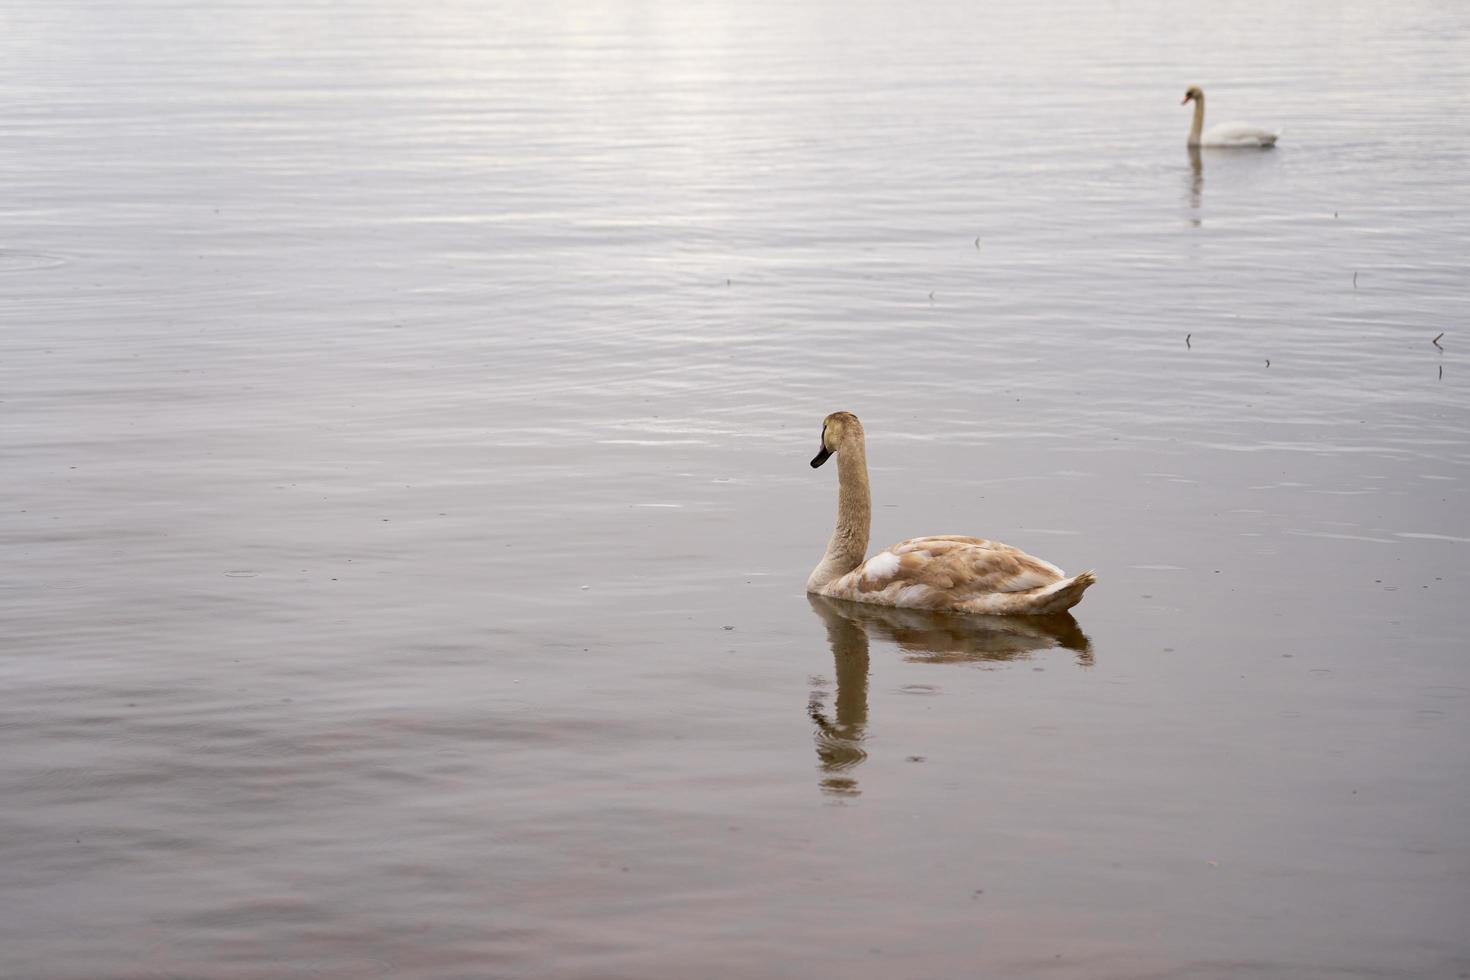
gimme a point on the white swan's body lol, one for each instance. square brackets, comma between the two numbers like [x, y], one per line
[1237, 134]
[947, 571]
[1224, 134]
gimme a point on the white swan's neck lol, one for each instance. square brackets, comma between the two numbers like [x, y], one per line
[1198, 126]
[849, 543]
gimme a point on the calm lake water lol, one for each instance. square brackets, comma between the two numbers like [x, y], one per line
[404, 421]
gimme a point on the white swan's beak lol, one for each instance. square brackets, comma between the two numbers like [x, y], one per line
[1185, 100]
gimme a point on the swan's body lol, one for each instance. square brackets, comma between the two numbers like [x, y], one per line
[963, 574]
[1224, 134]
[947, 571]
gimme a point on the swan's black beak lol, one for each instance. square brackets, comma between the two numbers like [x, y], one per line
[1185, 100]
[821, 457]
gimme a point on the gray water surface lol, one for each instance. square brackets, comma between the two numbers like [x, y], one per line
[404, 422]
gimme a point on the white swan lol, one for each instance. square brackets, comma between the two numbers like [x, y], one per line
[948, 571]
[1225, 134]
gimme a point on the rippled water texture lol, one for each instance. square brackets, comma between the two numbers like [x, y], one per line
[404, 421]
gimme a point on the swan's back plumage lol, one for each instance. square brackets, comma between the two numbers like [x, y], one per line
[951, 571]
[1238, 134]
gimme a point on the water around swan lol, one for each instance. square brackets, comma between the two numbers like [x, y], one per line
[404, 424]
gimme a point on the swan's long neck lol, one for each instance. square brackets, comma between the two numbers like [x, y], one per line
[1198, 125]
[849, 543]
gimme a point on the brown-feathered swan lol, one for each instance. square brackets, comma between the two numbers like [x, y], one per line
[946, 571]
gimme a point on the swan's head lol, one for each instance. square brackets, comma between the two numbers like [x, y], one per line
[838, 429]
[1192, 93]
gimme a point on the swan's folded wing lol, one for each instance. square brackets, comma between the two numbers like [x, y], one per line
[939, 544]
[937, 572]
[1238, 134]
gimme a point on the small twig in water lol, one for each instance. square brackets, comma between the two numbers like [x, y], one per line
[1186, 341]
[931, 295]
[1268, 362]
[1441, 372]
[1435, 341]
[1355, 280]
[977, 243]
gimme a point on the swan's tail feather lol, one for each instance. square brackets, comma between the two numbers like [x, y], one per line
[1063, 595]
[1044, 601]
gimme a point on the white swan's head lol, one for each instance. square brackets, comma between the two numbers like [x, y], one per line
[1192, 93]
[838, 429]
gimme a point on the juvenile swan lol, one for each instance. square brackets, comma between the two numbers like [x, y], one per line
[1225, 134]
[943, 572]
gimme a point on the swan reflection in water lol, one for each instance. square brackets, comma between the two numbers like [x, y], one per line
[1196, 180]
[924, 637]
